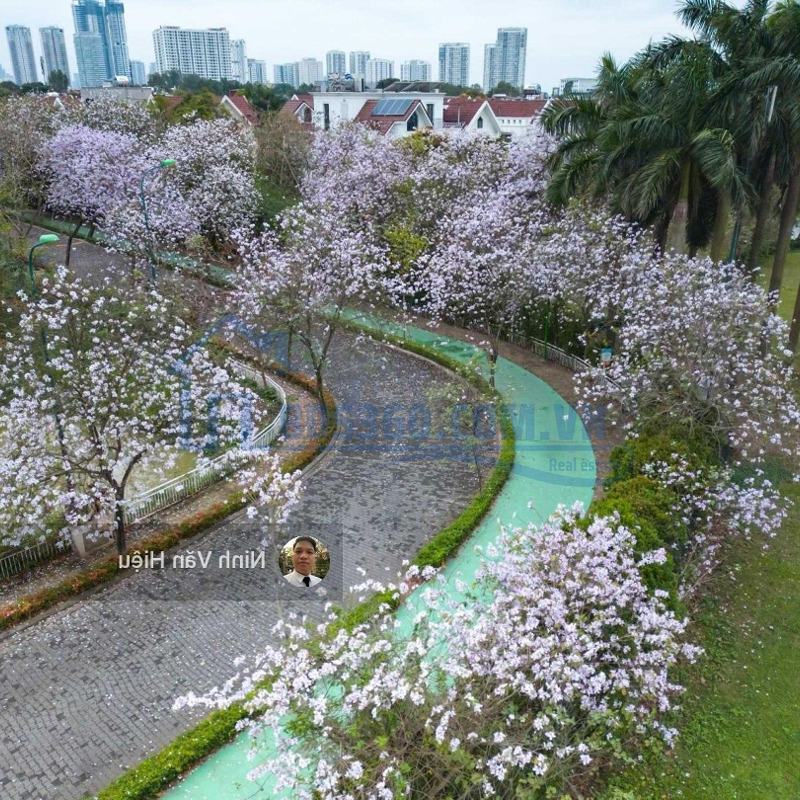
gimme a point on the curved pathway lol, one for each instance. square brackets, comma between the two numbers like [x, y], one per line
[87, 692]
[540, 476]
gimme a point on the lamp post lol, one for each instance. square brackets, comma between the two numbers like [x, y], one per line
[167, 162]
[44, 239]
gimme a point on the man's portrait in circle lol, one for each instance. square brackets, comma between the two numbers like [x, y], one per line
[304, 561]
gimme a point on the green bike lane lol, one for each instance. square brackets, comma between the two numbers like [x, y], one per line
[554, 465]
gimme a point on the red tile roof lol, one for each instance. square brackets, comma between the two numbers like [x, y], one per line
[241, 104]
[383, 123]
[461, 110]
[503, 107]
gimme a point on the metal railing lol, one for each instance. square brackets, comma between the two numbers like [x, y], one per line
[20, 560]
[176, 489]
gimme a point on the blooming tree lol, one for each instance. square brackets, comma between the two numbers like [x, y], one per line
[558, 663]
[89, 398]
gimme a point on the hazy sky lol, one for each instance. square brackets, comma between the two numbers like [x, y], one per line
[565, 37]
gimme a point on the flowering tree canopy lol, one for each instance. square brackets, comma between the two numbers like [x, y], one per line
[89, 397]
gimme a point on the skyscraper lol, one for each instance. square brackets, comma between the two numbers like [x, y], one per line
[309, 71]
[379, 69]
[117, 38]
[138, 75]
[23, 62]
[454, 63]
[206, 53]
[101, 41]
[489, 55]
[335, 61]
[505, 60]
[239, 61]
[287, 73]
[256, 71]
[358, 63]
[415, 70]
[54, 51]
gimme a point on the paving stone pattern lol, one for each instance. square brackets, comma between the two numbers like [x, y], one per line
[87, 692]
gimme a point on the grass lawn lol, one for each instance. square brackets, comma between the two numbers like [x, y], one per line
[740, 725]
[791, 280]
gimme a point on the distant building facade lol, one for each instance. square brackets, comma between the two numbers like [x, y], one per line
[138, 74]
[54, 51]
[504, 61]
[416, 70]
[23, 61]
[206, 53]
[335, 62]
[309, 71]
[358, 63]
[256, 71]
[454, 63]
[101, 41]
[287, 73]
[379, 69]
[239, 71]
[575, 86]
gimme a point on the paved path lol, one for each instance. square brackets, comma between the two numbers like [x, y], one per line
[87, 692]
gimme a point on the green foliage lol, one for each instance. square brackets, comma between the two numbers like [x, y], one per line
[274, 200]
[504, 87]
[405, 246]
[58, 81]
[153, 774]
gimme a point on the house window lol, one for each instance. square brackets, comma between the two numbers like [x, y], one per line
[306, 114]
[480, 122]
[429, 108]
[326, 108]
[413, 122]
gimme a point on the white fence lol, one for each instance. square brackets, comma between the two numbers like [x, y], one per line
[177, 489]
[20, 560]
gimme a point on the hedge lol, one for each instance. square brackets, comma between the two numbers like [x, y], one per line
[149, 778]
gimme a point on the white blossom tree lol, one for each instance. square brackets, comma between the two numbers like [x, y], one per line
[89, 397]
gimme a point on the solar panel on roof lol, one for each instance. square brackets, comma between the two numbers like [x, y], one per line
[391, 108]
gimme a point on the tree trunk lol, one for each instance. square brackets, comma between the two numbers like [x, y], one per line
[788, 218]
[676, 236]
[69, 243]
[120, 533]
[794, 333]
[762, 215]
[720, 241]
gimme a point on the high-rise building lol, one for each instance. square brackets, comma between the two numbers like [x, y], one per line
[287, 73]
[101, 41]
[454, 63]
[489, 55]
[256, 71]
[138, 75]
[206, 53]
[379, 69]
[335, 62]
[415, 70]
[505, 60]
[239, 61]
[117, 39]
[309, 71]
[23, 62]
[54, 51]
[358, 63]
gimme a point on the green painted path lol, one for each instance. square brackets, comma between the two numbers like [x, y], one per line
[554, 465]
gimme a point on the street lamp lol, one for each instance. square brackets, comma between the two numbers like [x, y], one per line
[167, 162]
[44, 239]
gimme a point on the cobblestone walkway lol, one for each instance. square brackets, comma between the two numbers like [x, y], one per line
[87, 692]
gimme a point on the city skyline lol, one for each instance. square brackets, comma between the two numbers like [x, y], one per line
[576, 35]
